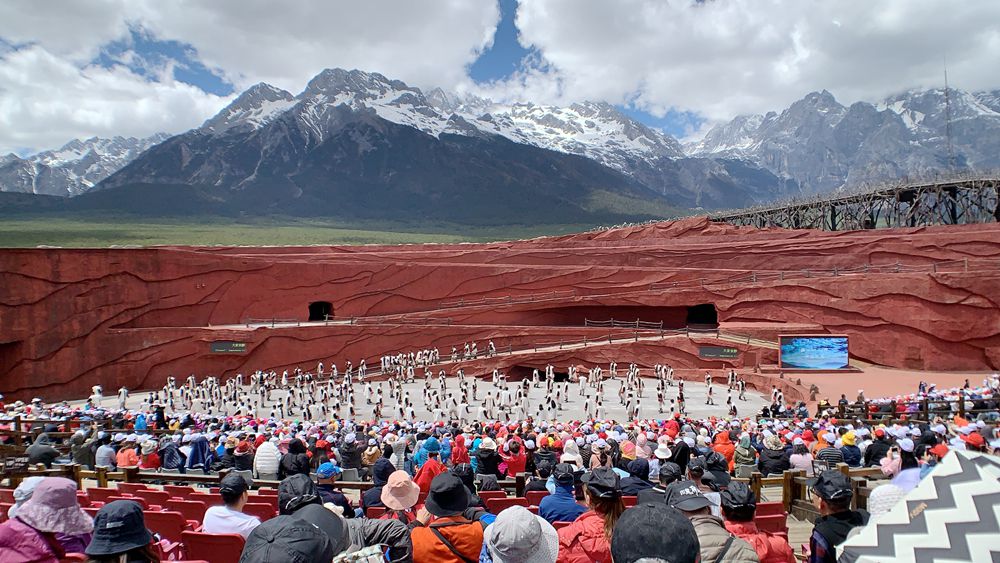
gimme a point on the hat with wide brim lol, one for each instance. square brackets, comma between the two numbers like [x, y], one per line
[118, 527]
[448, 496]
[53, 508]
[517, 536]
[399, 492]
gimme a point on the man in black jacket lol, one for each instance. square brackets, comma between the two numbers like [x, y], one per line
[877, 449]
[669, 473]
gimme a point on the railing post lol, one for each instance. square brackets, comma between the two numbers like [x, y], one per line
[131, 474]
[77, 468]
[102, 477]
[18, 440]
[519, 485]
[755, 485]
[787, 486]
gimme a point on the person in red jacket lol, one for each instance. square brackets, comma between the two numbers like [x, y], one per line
[739, 507]
[514, 457]
[725, 446]
[588, 538]
[429, 470]
[459, 453]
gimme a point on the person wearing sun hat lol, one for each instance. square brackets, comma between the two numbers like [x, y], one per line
[49, 521]
[518, 536]
[149, 460]
[399, 495]
[120, 534]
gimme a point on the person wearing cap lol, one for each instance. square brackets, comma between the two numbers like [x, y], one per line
[699, 475]
[638, 470]
[46, 526]
[442, 533]
[326, 475]
[588, 538]
[877, 449]
[668, 473]
[149, 460]
[538, 483]
[738, 508]
[654, 532]
[120, 534]
[561, 505]
[487, 459]
[381, 471]
[350, 452]
[432, 467]
[228, 518]
[399, 496]
[714, 541]
[518, 536]
[294, 539]
[832, 497]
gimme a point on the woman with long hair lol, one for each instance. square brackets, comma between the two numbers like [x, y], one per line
[588, 538]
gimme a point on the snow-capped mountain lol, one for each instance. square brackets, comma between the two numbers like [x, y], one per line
[73, 169]
[824, 145]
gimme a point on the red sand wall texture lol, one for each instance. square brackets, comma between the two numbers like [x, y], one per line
[73, 318]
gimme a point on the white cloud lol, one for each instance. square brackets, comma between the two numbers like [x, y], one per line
[50, 93]
[724, 57]
[46, 100]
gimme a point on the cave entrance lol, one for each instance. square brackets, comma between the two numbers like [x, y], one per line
[320, 310]
[704, 315]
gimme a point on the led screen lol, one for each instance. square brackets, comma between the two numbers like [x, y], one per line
[814, 352]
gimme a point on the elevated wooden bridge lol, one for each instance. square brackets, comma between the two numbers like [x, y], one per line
[956, 201]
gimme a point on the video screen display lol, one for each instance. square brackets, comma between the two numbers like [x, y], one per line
[814, 352]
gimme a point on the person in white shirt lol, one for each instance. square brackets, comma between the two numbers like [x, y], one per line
[229, 518]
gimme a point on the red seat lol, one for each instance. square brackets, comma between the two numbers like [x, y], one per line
[267, 491]
[776, 524]
[265, 499]
[7, 495]
[374, 511]
[131, 488]
[262, 511]
[535, 497]
[558, 525]
[82, 499]
[4, 507]
[495, 505]
[168, 524]
[206, 498]
[630, 500]
[70, 557]
[91, 510]
[770, 509]
[153, 497]
[191, 509]
[491, 494]
[142, 502]
[533, 509]
[217, 548]
[102, 494]
[178, 491]
[214, 490]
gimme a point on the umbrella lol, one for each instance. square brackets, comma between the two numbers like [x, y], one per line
[952, 515]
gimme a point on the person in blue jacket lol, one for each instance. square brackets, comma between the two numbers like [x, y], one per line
[561, 506]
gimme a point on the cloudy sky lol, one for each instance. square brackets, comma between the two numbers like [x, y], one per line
[79, 68]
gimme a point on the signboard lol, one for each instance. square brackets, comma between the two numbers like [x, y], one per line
[228, 347]
[819, 352]
[14, 465]
[718, 353]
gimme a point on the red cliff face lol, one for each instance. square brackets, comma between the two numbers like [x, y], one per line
[72, 318]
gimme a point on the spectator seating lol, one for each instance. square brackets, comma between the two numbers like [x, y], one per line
[495, 505]
[630, 500]
[191, 509]
[142, 502]
[218, 548]
[776, 524]
[178, 491]
[262, 511]
[375, 511]
[132, 488]
[102, 494]
[169, 524]
[153, 496]
[535, 497]
[7, 495]
[491, 494]
[267, 491]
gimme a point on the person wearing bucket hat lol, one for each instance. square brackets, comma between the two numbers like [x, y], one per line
[739, 506]
[120, 534]
[441, 532]
[48, 522]
[654, 532]
[149, 460]
[715, 543]
[588, 538]
[22, 493]
[487, 459]
[518, 536]
[832, 497]
[400, 495]
[229, 517]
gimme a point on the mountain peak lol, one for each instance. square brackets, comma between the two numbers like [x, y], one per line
[256, 106]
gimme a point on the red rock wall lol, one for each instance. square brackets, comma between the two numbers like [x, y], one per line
[73, 318]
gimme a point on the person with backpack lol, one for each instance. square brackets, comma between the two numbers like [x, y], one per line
[442, 532]
[739, 507]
